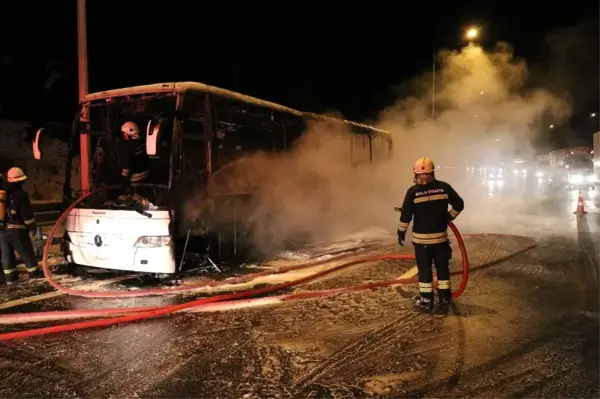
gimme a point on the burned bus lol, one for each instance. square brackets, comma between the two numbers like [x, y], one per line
[192, 132]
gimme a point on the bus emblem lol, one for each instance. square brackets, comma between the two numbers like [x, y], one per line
[98, 241]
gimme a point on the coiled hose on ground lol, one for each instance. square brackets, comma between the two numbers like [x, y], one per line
[124, 315]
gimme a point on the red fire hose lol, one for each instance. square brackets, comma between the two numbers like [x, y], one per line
[140, 313]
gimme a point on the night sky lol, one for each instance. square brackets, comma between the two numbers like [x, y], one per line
[315, 56]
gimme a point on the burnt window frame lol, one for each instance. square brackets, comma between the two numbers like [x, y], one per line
[113, 103]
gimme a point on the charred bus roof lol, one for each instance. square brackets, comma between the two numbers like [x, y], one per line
[183, 87]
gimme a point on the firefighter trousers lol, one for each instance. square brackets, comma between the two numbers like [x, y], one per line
[11, 240]
[438, 255]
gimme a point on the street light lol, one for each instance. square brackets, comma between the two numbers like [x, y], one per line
[593, 114]
[471, 34]
[551, 126]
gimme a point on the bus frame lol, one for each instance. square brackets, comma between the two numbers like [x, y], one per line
[88, 248]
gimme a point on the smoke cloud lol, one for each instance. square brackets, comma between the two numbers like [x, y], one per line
[483, 113]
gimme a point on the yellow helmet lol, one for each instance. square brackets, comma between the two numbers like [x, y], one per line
[423, 166]
[15, 175]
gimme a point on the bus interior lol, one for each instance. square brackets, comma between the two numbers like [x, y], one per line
[106, 118]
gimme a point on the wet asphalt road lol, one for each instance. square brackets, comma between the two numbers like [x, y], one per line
[527, 327]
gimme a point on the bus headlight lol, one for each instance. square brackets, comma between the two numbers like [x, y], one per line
[152, 241]
[575, 179]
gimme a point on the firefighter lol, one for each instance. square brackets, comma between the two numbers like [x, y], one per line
[2, 215]
[2, 200]
[427, 202]
[134, 160]
[18, 223]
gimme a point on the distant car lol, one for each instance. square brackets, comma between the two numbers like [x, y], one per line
[494, 173]
[581, 179]
[523, 171]
[544, 174]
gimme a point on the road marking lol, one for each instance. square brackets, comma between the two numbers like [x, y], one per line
[30, 299]
[410, 273]
[53, 294]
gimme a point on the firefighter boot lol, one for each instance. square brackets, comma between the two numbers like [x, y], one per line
[423, 304]
[11, 278]
[37, 273]
[444, 306]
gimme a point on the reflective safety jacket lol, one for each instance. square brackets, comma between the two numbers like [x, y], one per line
[19, 213]
[428, 205]
[135, 164]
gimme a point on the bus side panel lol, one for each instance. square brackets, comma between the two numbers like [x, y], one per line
[193, 167]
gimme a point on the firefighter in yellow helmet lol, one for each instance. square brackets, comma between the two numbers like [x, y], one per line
[2, 208]
[427, 203]
[18, 222]
[134, 160]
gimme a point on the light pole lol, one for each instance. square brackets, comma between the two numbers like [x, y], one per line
[82, 68]
[592, 122]
[433, 88]
[471, 34]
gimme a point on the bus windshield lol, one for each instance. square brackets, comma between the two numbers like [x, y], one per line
[106, 119]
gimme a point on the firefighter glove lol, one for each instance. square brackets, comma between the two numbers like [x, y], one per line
[401, 237]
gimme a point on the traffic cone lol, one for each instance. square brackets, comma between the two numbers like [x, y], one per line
[580, 208]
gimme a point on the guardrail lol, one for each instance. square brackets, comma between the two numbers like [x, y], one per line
[46, 214]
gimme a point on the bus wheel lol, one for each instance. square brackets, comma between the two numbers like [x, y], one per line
[163, 276]
[71, 269]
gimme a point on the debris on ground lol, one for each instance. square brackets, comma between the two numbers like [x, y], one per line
[129, 201]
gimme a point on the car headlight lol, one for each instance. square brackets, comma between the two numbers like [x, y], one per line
[540, 174]
[152, 241]
[591, 178]
[575, 179]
